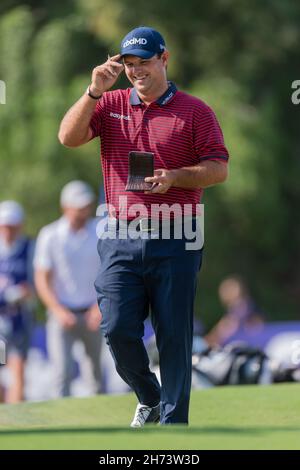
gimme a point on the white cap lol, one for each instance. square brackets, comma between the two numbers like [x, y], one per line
[11, 213]
[76, 194]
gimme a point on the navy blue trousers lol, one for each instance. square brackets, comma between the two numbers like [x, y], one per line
[136, 274]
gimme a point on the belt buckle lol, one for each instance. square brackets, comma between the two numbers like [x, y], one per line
[144, 225]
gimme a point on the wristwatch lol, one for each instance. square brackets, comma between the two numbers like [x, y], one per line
[88, 92]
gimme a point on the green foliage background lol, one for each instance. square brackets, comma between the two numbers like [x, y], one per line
[240, 57]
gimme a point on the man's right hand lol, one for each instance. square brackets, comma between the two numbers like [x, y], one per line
[105, 76]
[66, 318]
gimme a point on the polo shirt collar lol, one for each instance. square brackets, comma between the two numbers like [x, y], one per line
[164, 99]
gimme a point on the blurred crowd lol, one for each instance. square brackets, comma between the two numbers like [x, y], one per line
[58, 270]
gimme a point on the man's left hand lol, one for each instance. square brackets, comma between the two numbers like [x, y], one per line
[162, 180]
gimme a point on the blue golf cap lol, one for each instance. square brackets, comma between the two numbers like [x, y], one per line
[143, 42]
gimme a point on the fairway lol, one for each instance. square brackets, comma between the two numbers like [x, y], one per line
[252, 417]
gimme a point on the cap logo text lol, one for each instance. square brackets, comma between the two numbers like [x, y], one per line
[131, 42]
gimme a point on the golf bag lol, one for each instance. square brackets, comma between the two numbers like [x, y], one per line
[238, 364]
[234, 364]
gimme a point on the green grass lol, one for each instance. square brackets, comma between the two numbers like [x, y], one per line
[264, 417]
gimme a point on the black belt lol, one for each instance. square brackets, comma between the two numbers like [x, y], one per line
[143, 224]
[78, 310]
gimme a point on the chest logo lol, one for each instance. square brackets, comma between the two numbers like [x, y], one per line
[120, 116]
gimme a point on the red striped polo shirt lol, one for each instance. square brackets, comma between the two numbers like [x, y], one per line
[180, 129]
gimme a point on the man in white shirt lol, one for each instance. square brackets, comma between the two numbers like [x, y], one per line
[66, 265]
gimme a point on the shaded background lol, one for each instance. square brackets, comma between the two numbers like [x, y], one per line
[239, 57]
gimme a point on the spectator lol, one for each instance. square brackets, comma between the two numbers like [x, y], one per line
[241, 311]
[15, 294]
[66, 265]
